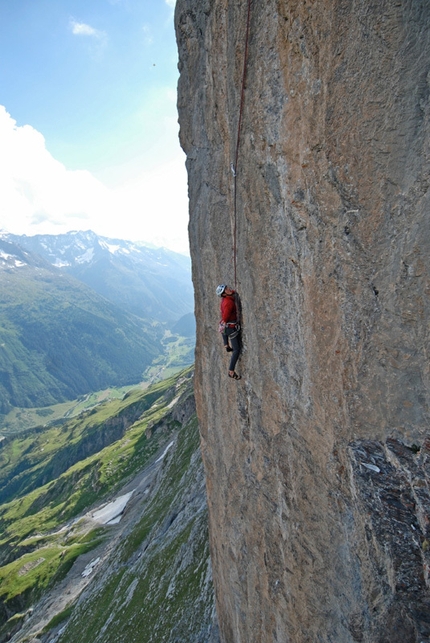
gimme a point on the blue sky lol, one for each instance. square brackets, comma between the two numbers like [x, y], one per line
[88, 123]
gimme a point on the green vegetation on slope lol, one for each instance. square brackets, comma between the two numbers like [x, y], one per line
[39, 537]
[157, 586]
[59, 339]
[178, 353]
[148, 282]
[21, 419]
[37, 457]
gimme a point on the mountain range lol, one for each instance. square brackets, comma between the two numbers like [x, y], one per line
[152, 283]
[79, 313]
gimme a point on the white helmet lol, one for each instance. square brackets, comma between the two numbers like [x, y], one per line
[220, 289]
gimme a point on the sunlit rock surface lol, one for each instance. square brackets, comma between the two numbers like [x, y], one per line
[308, 543]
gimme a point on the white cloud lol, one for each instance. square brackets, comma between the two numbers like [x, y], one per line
[147, 32]
[38, 195]
[155, 206]
[171, 3]
[82, 29]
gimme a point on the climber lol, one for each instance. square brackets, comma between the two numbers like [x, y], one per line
[230, 326]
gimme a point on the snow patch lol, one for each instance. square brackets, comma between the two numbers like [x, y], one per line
[164, 452]
[109, 246]
[86, 257]
[6, 257]
[90, 567]
[111, 513]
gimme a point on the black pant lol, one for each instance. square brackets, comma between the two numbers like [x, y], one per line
[235, 343]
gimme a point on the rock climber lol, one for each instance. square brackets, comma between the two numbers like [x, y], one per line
[230, 326]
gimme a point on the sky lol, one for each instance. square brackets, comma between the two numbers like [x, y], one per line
[88, 120]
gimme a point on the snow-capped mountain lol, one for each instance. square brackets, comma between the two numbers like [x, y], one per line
[13, 256]
[151, 283]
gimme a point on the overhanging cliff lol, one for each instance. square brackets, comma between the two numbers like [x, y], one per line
[317, 461]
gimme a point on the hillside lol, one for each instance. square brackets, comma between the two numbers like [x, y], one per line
[318, 460]
[114, 547]
[151, 283]
[59, 339]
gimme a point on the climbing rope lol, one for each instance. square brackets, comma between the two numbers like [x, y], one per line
[234, 166]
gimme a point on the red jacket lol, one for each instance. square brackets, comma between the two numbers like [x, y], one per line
[228, 309]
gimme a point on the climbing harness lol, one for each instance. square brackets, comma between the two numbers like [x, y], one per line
[234, 166]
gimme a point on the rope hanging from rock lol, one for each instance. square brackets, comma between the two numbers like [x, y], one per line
[234, 166]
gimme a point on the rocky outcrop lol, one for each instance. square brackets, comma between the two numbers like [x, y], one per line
[316, 461]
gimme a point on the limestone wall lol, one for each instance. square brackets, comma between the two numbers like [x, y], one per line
[316, 461]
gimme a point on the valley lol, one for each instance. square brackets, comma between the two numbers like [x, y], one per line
[56, 544]
[102, 490]
[178, 353]
[82, 313]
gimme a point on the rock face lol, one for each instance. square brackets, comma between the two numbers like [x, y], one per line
[317, 462]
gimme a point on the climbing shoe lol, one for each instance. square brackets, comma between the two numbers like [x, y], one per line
[235, 376]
